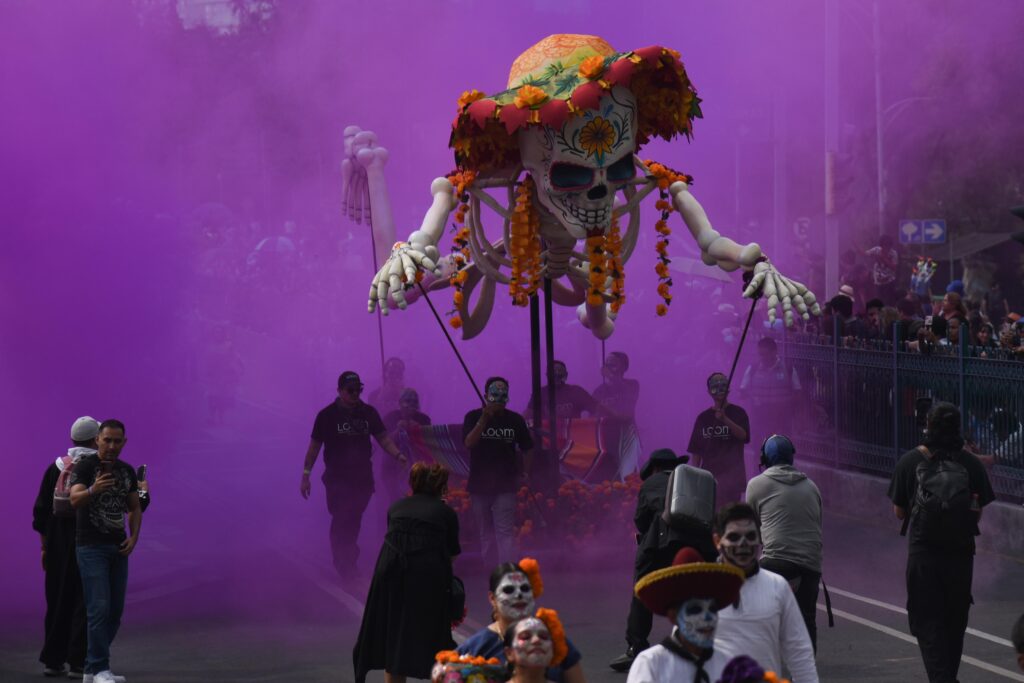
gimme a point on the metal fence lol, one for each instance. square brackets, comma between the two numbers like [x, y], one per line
[862, 402]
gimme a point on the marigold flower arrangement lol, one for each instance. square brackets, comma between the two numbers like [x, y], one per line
[453, 657]
[666, 176]
[525, 244]
[559, 644]
[531, 568]
[461, 181]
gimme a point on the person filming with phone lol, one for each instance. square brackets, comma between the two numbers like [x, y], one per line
[104, 490]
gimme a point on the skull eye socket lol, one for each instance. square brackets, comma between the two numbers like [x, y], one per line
[622, 170]
[566, 176]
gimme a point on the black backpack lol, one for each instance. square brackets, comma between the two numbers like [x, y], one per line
[942, 513]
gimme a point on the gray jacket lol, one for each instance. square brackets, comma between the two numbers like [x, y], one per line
[789, 505]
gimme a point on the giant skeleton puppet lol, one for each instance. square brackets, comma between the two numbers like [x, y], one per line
[562, 142]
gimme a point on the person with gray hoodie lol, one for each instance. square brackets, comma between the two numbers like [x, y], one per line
[788, 504]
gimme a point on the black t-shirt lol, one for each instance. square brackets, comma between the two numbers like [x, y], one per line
[714, 441]
[493, 463]
[619, 398]
[903, 488]
[101, 520]
[571, 400]
[345, 433]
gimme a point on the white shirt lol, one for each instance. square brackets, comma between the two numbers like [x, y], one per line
[659, 665]
[767, 626]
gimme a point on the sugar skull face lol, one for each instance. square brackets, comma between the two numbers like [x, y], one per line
[697, 621]
[531, 643]
[579, 167]
[741, 543]
[514, 596]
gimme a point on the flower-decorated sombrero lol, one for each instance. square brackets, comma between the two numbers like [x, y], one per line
[689, 577]
[561, 76]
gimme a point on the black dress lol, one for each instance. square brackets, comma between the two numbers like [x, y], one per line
[406, 620]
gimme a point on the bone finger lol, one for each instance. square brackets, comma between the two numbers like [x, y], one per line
[798, 302]
[755, 284]
[372, 305]
[789, 318]
[382, 295]
[769, 288]
[398, 294]
[409, 268]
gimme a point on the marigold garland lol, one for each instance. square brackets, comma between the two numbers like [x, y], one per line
[531, 568]
[453, 657]
[665, 177]
[596, 255]
[558, 641]
[613, 262]
[461, 180]
[525, 244]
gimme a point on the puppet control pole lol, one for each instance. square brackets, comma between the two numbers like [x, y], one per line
[452, 343]
[743, 339]
[549, 349]
[380, 323]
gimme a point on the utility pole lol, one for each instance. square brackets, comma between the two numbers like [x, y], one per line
[831, 145]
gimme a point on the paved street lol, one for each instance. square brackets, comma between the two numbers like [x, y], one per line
[285, 618]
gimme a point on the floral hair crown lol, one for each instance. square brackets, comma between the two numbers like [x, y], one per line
[531, 568]
[559, 644]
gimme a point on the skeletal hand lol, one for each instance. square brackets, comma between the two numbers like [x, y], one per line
[360, 150]
[779, 289]
[400, 270]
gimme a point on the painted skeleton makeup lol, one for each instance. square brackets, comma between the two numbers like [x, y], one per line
[740, 545]
[718, 385]
[697, 621]
[514, 596]
[497, 393]
[531, 643]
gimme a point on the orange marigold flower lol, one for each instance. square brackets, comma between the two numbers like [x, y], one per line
[531, 568]
[661, 269]
[592, 67]
[529, 96]
[662, 205]
[457, 298]
[661, 309]
[469, 97]
[595, 300]
[663, 290]
[420, 275]
[455, 322]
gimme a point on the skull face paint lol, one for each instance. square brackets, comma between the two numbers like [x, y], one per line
[497, 392]
[514, 596]
[740, 544]
[579, 167]
[531, 643]
[697, 621]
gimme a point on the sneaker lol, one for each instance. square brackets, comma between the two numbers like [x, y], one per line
[75, 673]
[52, 671]
[624, 661]
[103, 677]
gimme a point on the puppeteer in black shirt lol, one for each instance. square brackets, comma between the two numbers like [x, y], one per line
[714, 441]
[101, 521]
[493, 462]
[345, 433]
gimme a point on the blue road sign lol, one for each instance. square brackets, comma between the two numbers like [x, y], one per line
[934, 231]
[911, 232]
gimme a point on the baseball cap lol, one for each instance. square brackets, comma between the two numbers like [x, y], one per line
[85, 428]
[348, 377]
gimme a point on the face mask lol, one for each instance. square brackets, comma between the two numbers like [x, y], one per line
[531, 643]
[497, 393]
[741, 543]
[697, 621]
[514, 596]
[718, 386]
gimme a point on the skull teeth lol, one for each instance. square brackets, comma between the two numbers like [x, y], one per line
[588, 216]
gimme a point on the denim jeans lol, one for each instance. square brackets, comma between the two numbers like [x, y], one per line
[104, 581]
[496, 520]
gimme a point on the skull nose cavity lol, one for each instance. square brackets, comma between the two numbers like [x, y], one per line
[597, 192]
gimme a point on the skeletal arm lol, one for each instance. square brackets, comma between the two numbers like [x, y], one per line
[723, 252]
[418, 251]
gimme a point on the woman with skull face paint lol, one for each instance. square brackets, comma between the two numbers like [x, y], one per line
[765, 623]
[689, 594]
[513, 592]
[534, 644]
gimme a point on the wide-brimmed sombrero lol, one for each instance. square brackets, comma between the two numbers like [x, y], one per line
[564, 74]
[689, 577]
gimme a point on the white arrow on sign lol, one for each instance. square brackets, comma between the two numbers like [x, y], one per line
[934, 230]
